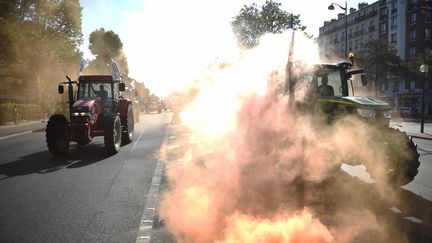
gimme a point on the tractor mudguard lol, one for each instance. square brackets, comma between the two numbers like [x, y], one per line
[123, 107]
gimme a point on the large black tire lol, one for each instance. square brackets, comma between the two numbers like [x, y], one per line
[112, 134]
[128, 126]
[403, 158]
[57, 135]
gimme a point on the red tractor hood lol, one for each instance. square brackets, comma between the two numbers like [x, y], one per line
[84, 103]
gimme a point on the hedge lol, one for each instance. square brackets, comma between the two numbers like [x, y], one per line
[25, 112]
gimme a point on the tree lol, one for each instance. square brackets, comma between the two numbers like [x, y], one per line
[39, 39]
[379, 58]
[107, 45]
[251, 23]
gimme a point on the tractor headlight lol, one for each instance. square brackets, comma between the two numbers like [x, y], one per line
[368, 114]
[81, 113]
[387, 114]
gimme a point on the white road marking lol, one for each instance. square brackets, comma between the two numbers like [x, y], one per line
[137, 140]
[15, 135]
[149, 213]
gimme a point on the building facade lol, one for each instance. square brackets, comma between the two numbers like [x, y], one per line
[407, 25]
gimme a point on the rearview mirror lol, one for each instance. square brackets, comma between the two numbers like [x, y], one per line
[364, 79]
[60, 89]
[122, 87]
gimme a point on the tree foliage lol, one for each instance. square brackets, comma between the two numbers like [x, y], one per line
[253, 22]
[379, 58]
[107, 46]
[39, 39]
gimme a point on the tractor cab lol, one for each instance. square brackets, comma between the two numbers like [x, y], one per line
[100, 87]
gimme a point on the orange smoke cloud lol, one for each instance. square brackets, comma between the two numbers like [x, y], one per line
[250, 166]
[288, 228]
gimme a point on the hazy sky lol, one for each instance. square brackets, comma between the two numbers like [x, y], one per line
[168, 41]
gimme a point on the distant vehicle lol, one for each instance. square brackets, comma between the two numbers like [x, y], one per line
[153, 104]
[408, 112]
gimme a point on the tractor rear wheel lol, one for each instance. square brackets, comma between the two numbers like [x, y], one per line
[128, 126]
[57, 134]
[112, 134]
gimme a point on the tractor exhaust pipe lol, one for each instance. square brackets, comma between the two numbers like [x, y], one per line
[70, 96]
[289, 79]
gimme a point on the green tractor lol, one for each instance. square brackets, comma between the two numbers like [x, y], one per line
[328, 91]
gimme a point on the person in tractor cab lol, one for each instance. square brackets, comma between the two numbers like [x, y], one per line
[325, 89]
[102, 92]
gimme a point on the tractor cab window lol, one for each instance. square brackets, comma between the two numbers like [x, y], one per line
[95, 89]
[329, 83]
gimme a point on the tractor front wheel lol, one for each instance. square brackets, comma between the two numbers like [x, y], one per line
[128, 126]
[57, 135]
[112, 134]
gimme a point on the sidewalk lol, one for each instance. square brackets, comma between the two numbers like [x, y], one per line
[412, 128]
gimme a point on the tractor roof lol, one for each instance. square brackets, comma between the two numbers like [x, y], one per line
[96, 78]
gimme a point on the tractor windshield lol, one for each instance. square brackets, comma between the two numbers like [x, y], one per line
[95, 89]
[325, 80]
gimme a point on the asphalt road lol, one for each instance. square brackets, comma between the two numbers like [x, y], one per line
[86, 196]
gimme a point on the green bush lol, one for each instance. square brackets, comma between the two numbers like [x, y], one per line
[25, 112]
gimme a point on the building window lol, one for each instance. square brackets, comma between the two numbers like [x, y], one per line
[393, 6]
[393, 23]
[412, 51]
[384, 85]
[413, 35]
[407, 84]
[418, 84]
[383, 27]
[396, 86]
[394, 38]
[428, 33]
[413, 18]
[428, 16]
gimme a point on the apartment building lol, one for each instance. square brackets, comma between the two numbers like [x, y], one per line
[407, 25]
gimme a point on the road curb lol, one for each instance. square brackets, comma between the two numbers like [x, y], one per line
[421, 136]
[147, 220]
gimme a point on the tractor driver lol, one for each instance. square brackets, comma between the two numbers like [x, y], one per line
[325, 89]
[102, 92]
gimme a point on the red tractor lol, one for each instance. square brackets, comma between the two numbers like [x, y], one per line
[96, 109]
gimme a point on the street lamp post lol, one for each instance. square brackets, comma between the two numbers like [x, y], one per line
[331, 7]
[424, 69]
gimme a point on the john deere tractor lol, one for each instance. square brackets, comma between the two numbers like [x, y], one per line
[334, 92]
[95, 109]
